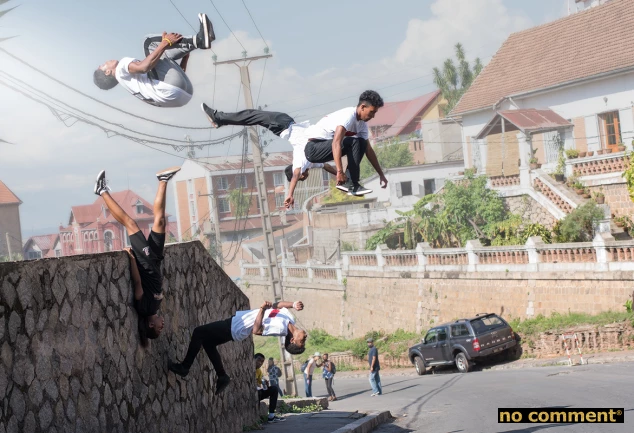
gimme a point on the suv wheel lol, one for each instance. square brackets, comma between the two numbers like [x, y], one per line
[420, 365]
[462, 363]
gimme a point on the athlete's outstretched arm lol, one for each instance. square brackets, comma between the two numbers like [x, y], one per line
[291, 188]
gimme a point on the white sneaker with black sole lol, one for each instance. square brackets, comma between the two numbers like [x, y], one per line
[167, 174]
[345, 187]
[100, 185]
[359, 190]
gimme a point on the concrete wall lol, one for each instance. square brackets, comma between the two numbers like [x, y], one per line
[416, 301]
[71, 360]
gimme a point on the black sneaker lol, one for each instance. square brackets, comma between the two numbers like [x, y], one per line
[167, 174]
[345, 187]
[222, 383]
[205, 35]
[100, 185]
[359, 190]
[211, 115]
[179, 369]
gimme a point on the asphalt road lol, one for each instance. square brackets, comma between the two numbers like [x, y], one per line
[452, 402]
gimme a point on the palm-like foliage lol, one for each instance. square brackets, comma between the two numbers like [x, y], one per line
[454, 79]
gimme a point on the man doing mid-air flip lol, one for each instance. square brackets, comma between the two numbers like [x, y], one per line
[158, 79]
[344, 132]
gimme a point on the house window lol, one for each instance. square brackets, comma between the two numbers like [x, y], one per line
[610, 129]
[194, 229]
[192, 209]
[223, 205]
[241, 181]
[34, 255]
[279, 200]
[139, 208]
[257, 202]
[406, 189]
[278, 179]
[127, 239]
[223, 183]
[430, 186]
[58, 253]
[107, 240]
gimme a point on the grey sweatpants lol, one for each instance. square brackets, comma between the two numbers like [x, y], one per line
[167, 69]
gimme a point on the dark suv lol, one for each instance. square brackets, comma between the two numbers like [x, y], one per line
[463, 342]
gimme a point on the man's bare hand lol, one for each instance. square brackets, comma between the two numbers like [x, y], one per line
[289, 202]
[383, 181]
[341, 178]
[266, 305]
[129, 251]
[174, 38]
[298, 305]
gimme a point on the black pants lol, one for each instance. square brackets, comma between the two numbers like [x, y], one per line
[353, 147]
[272, 120]
[271, 393]
[331, 392]
[210, 336]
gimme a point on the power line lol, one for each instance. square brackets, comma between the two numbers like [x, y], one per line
[261, 81]
[34, 89]
[256, 26]
[223, 20]
[95, 99]
[65, 116]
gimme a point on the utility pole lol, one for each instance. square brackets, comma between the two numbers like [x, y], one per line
[9, 247]
[214, 206]
[267, 227]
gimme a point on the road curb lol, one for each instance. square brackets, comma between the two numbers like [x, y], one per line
[366, 424]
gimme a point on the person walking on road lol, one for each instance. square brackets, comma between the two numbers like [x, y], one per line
[373, 360]
[308, 374]
[329, 376]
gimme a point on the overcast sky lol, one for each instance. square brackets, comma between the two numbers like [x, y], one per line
[324, 54]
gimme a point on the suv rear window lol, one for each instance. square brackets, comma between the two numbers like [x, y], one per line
[486, 324]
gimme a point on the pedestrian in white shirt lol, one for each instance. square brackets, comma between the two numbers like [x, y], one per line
[270, 320]
[308, 374]
[158, 79]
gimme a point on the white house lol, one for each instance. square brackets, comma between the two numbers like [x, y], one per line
[407, 185]
[569, 82]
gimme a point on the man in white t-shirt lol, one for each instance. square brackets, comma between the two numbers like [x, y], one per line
[270, 320]
[158, 79]
[344, 132]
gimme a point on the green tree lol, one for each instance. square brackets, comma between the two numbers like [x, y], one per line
[578, 225]
[240, 202]
[455, 78]
[389, 156]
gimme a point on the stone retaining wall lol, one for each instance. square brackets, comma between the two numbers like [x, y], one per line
[70, 359]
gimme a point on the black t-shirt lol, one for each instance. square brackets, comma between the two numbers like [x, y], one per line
[372, 353]
[152, 283]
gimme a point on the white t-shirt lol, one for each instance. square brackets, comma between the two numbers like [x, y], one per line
[310, 368]
[346, 117]
[149, 90]
[275, 322]
[296, 134]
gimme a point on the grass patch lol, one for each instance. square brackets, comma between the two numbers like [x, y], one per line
[394, 344]
[557, 322]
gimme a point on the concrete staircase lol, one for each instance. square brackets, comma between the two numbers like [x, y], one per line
[566, 199]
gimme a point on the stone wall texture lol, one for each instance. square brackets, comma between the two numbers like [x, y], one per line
[617, 197]
[530, 210]
[389, 301]
[70, 358]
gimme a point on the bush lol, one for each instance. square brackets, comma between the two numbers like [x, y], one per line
[578, 226]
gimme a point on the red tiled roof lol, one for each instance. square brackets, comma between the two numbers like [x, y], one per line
[388, 114]
[582, 45]
[402, 114]
[127, 199]
[7, 196]
[234, 162]
[44, 242]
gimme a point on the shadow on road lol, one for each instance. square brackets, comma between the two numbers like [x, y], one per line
[538, 428]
